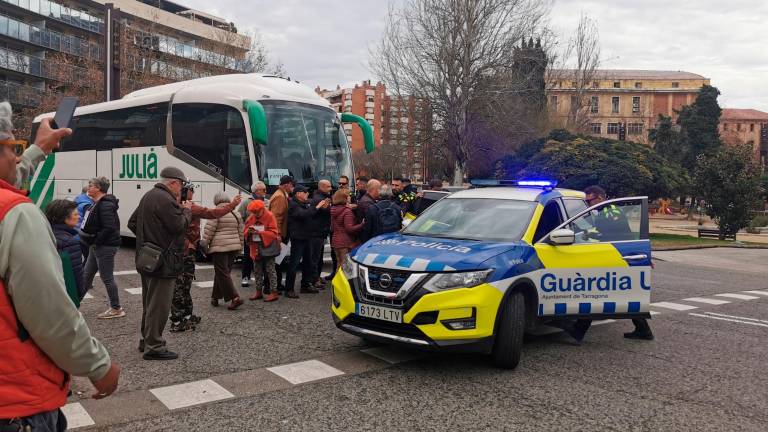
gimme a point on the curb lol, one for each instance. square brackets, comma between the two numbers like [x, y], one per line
[691, 247]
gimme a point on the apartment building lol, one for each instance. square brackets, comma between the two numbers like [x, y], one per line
[746, 126]
[400, 125]
[621, 104]
[160, 37]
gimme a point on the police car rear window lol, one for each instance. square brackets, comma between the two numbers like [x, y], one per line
[474, 219]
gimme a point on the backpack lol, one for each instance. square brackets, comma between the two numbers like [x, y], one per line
[389, 218]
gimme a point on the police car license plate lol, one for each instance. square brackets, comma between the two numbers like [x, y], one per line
[380, 313]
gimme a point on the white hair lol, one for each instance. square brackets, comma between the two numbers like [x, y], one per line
[220, 197]
[6, 121]
[257, 185]
[385, 192]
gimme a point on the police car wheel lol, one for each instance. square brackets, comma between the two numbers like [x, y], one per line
[509, 337]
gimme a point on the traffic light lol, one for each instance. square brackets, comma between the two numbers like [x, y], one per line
[622, 131]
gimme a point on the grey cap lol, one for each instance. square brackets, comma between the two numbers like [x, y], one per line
[173, 173]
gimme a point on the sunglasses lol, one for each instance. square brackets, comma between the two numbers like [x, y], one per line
[18, 146]
[343, 184]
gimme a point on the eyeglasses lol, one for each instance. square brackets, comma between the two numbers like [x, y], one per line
[343, 184]
[18, 146]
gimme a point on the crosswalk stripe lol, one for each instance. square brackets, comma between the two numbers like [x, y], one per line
[306, 371]
[762, 293]
[134, 291]
[728, 319]
[133, 272]
[655, 313]
[205, 284]
[674, 306]
[606, 321]
[191, 393]
[707, 300]
[76, 415]
[738, 296]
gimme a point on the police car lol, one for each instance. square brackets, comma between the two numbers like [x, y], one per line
[481, 266]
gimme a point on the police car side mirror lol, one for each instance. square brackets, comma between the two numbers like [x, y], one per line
[562, 237]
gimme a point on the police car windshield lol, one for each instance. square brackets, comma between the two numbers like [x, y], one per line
[474, 219]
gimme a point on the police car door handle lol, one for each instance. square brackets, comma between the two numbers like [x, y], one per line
[635, 257]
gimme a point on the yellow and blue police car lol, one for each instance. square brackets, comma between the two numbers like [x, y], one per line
[481, 266]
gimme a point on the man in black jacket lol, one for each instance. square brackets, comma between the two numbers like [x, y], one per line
[321, 229]
[301, 214]
[101, 232]
[382, 217]
[160, 220]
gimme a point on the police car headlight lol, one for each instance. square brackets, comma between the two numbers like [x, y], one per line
[448, 281]
[349, 268]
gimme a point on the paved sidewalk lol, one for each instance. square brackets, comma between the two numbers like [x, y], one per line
[682, 226]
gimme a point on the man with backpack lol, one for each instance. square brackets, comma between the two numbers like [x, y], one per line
[382, 217]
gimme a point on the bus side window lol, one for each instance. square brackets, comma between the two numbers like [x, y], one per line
[140, 126]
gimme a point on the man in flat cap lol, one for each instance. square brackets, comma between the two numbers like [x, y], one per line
[159, 223]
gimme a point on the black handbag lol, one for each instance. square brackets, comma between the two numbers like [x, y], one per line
[149, 259]
[270, 251]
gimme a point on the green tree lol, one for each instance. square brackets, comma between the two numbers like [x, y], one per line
[729, 181]
[666, 140]
[698, 127]
[622, 168]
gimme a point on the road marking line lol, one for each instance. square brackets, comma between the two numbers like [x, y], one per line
[134, 291]
[191, 393]
[132, 272]
[738, 296]
[77, 416]
[738, 317]
[207, 284]
[655, 313]
[707, 301]
[763, 293]
[87, 296]
[607, 321]
[728, 319]
[395, 355]
[674, 306]
[306, 371]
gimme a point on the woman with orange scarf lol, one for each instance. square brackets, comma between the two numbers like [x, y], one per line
[261, 230]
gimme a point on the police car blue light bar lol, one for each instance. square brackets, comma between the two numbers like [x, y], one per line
[538, 183]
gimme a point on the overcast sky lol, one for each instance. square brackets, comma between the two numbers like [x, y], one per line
[326, 43]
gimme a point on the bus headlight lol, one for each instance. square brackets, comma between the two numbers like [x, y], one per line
[349, 268]
[448, 281]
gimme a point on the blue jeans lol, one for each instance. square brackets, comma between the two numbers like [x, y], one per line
[49, 421]
[102, 259]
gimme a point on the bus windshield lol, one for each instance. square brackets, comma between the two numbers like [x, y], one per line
[305, 141]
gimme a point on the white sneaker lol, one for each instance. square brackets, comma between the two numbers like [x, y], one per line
[111, 313]
[245, 282]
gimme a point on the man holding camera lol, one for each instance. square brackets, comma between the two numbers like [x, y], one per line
[160, 223]
[181, 306]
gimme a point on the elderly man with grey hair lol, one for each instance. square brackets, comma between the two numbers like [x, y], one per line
[258, 192]
[101, 232]
[45, 338]
[160, 223]
[382, 217]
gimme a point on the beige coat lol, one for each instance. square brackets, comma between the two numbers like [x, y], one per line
[224, 234]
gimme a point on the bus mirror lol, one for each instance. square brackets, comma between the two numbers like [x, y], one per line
[257, 118]
[364, 126]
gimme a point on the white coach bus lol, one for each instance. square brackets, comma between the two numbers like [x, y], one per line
[224, 132]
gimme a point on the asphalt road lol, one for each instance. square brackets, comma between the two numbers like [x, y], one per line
[704, 371]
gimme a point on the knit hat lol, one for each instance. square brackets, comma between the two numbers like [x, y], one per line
[255, 206]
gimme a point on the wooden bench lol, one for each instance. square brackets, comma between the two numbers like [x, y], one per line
[715, 233]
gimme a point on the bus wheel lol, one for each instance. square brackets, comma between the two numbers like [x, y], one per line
[509, 340]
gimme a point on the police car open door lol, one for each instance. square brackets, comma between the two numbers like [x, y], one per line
[598, 263]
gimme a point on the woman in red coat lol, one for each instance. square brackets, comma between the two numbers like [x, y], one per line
[261, 228]
[343, 228]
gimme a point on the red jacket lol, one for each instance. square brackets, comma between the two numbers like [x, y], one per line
[30, 382]
[343, 228]
[269, 235]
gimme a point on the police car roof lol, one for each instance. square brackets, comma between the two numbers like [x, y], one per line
[516, 193]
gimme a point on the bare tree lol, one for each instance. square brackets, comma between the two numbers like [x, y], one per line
[582, 61]
[443, 51]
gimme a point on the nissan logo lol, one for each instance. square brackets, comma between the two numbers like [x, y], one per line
[385, 281]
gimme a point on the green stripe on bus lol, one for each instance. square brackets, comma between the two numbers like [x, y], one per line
[45, 171]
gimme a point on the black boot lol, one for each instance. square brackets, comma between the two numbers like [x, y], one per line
[642, 330]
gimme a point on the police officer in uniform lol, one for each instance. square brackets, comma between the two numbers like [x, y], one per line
[611, 225]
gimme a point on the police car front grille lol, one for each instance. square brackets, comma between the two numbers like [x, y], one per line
[398, 279]
[362, 295]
